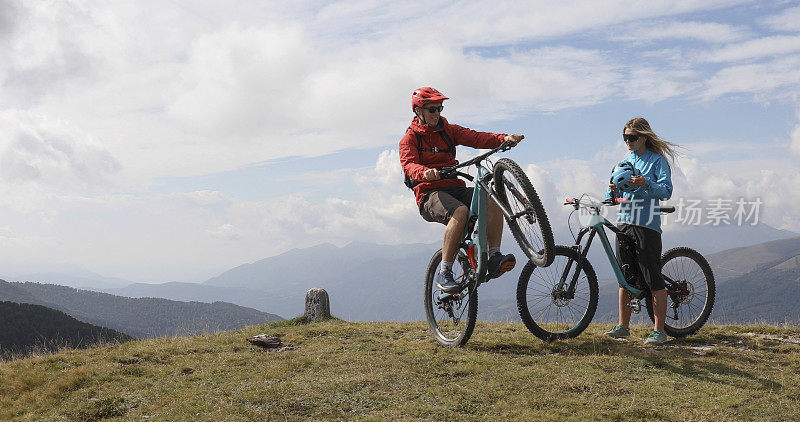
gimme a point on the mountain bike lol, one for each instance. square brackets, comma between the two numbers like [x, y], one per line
[560, 302]
[451, 315]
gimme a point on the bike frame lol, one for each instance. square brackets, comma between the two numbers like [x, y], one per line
[477, 247]
[596, 226]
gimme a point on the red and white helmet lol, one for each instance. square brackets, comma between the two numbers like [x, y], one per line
[424, 95]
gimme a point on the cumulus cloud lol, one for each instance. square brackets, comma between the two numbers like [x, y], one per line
[241, 81]
[41, 150]
[49, 45]
[195, 91]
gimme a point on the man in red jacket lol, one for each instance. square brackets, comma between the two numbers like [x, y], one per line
[430, 144]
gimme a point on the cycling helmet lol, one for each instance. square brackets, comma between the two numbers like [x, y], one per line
[621, 176]
[424, 95]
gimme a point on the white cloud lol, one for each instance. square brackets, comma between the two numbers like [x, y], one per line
[131, 95]
[755, 78]
[794, 137]
[507, 22]
[226, 231]
[51, 153]
[201, 197]
[753, 49]
[654, 84]
[710, 32]
[51, 45]
[787, 20]
[241, 81]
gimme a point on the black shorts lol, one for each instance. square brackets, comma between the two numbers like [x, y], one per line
[648, 249]
[439, 205]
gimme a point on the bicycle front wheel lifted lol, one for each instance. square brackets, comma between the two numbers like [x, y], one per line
[549, 304]
[687, 309]
[451, 317]
[528, 221]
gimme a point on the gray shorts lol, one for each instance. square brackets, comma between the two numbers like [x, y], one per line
[440, 204]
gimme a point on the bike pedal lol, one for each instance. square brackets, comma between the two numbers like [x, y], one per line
[508, 266]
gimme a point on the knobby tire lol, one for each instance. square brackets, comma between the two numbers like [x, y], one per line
[443, 328]
[686, 265]
[548, 315]
[516, 192]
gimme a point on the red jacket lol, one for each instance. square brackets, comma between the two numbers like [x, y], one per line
[415, 162]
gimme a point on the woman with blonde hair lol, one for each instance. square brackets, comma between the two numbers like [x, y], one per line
[638, 218]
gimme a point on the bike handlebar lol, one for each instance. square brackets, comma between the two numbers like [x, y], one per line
[576, 203]
[446, 172]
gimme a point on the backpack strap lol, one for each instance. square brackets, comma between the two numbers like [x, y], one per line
[451, 149]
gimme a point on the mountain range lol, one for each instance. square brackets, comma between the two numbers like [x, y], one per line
[385, 282]
[137, 317]
[379, 282]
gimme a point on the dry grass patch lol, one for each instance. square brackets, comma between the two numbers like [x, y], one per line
[378, 371]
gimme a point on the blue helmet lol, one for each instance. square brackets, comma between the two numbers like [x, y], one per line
[621, 176]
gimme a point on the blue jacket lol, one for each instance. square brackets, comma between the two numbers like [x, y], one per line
[639, 210]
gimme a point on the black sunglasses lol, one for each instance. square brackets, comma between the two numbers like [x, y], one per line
[433, 109]
[630, 138]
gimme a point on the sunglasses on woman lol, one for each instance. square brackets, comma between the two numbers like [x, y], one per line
[630, 138]
[433, 109]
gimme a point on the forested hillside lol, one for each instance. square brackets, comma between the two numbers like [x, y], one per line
[25, 328]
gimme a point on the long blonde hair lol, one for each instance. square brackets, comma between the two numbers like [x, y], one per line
[654, 143]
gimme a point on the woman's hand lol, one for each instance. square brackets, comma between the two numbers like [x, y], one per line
[513, 139]
[431, 174]
[638, 181]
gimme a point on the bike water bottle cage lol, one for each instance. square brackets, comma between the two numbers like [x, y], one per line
[451, 149]
[621, 176]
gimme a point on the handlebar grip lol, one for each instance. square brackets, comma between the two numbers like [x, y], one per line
[446, 171]
[666, 210]
[569, 201]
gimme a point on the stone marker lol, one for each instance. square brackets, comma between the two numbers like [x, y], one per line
[317, 305]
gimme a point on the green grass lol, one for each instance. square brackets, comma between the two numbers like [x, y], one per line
[385, 371]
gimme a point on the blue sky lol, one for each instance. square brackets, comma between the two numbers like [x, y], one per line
[171, 142]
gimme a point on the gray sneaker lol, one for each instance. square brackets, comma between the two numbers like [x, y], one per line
[656, 337]
[618, 331]
[447, 283]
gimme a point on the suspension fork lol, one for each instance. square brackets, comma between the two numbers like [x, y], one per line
[484, 182]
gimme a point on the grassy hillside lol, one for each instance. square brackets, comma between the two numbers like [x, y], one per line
[737, 261]
[369, 371]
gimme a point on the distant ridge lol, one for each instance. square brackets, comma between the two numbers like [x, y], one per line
[141, 317]
[738, 261]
